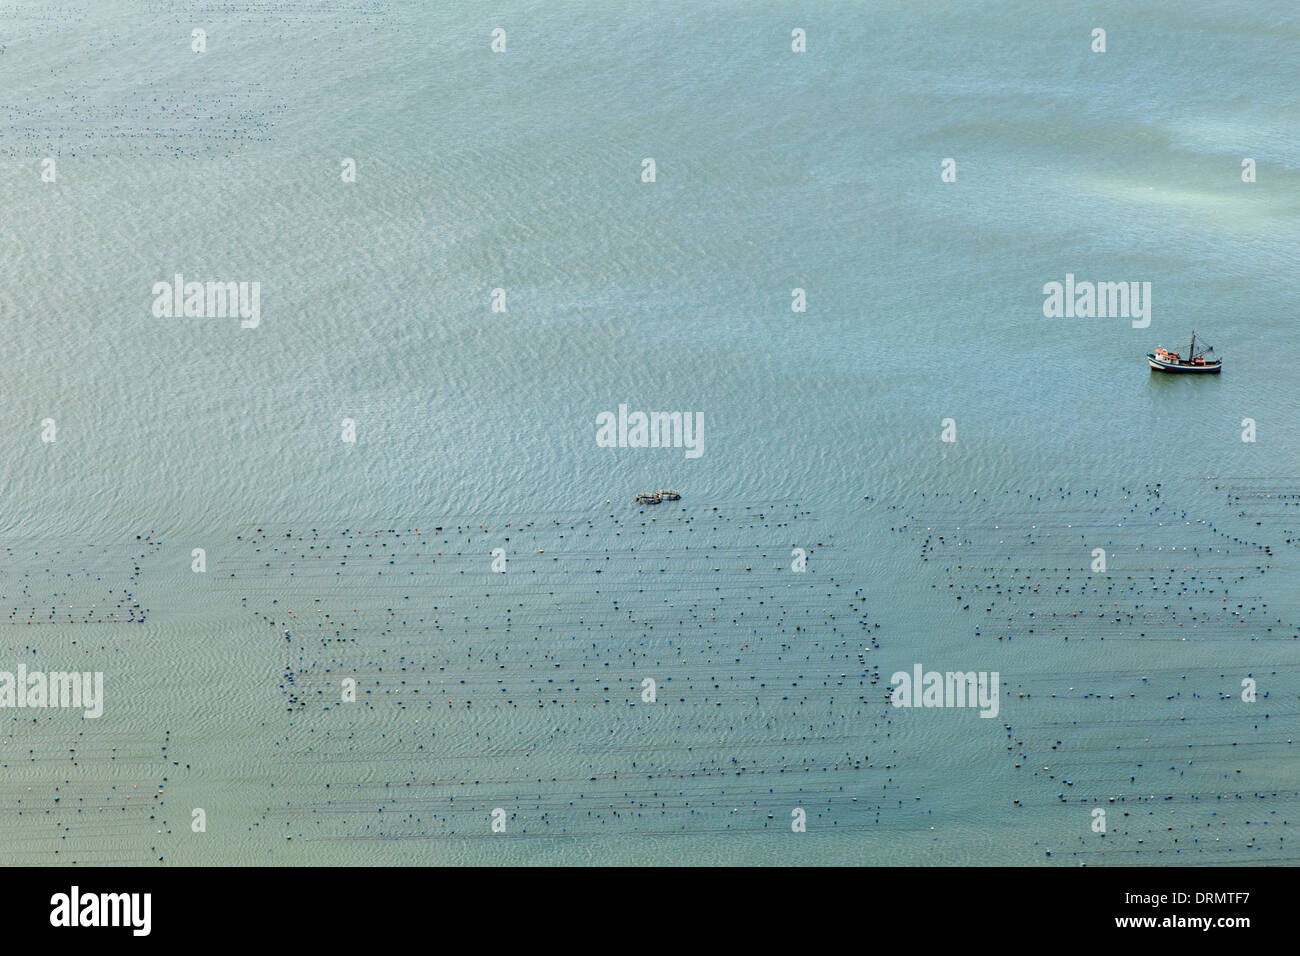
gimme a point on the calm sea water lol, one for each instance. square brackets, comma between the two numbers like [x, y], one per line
[522, 171]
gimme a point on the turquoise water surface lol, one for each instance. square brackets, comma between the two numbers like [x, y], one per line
[822, 430]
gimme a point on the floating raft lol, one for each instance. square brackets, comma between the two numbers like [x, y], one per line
[656, 497]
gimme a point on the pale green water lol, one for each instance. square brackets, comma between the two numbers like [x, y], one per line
[775, 171]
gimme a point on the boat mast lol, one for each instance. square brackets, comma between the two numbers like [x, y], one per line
[1191, 351]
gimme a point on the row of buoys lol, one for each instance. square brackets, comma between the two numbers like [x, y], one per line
[479, 663]
[990, 568]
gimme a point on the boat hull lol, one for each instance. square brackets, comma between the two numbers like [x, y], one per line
[1210, 368]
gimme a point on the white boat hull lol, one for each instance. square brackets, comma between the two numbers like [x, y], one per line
[1207, 369]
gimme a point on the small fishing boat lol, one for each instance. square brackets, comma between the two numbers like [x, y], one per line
[1163, 360]
[667, 494]
[648, 499]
